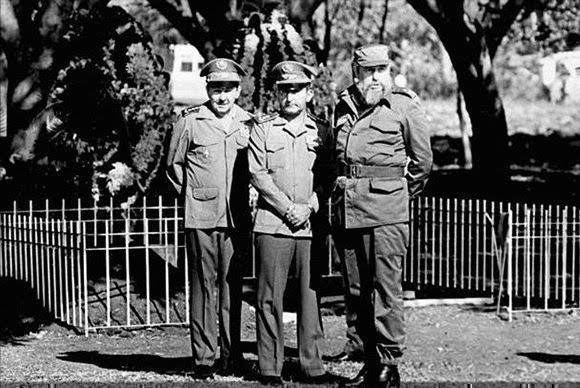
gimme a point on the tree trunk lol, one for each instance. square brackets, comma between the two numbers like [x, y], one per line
[488, 121]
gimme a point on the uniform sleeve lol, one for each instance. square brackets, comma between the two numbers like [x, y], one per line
[418, 147]
[259, 176]
[325, 168]
[176, 156]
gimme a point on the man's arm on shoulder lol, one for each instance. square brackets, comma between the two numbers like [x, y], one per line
[259, 176]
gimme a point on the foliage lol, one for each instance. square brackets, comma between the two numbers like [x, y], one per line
[113, 107]
[264, 41]
[547, 26]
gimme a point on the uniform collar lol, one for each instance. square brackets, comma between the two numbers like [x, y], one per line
[299, 126]
[239, 114]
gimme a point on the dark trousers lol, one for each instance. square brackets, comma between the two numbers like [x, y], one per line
[275, 255]
[212, 261]
[350, 277]
[379, 254]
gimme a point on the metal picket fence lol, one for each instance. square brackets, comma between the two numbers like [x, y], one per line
[99, 267]
[48, 254]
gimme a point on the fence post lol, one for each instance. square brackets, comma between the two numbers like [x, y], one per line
[509, 247]
[128, 273]
[547, 257]
[108, 273]
[528, 257]
[85, 279]
[165, 243]
[564, 254]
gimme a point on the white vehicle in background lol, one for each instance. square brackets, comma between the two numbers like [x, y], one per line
[186, 86]
[561, 75]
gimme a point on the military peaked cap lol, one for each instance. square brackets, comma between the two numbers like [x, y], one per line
[371, 55]
[292, 72]
[222, 70]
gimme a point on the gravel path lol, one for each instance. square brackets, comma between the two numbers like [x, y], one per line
[446, 344]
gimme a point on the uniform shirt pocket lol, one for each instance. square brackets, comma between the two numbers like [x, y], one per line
[388, 129]
[275, 155]
[205, 203]
[311, 149]
[204, 147]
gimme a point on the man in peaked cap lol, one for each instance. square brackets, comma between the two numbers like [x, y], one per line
[292, 168]
[207, 165]
[384, 158]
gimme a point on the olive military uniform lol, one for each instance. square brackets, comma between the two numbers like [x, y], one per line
[290, 163]
[207, 165]
[384, 153]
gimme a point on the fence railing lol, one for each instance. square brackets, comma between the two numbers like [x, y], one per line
[135, 270]
[49, 254]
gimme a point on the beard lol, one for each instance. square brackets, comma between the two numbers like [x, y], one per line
[374, 95]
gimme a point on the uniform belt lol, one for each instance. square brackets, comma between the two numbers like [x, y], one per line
[362, 171]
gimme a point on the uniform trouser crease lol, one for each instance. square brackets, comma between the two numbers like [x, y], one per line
[275, 256]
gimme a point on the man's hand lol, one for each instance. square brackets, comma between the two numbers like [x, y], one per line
[340, 182]
[253, 196]
[299, 215]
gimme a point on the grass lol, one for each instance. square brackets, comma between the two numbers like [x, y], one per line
[530, 117]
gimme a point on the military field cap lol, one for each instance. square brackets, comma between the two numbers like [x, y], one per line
[371, 55]
[222, 70]
[292, 72]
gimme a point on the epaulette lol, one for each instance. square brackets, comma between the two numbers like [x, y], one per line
[251, 117]
[265, 118]
[189, 110]
[406, 92]
[344, 93]
[317, 119]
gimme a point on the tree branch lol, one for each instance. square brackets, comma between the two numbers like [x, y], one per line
[500, 26]
[384, 23]
[197, 36]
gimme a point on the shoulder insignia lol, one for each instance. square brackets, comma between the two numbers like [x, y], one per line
[406, 92]
[189, 110]
[265, 118]
[317, 119]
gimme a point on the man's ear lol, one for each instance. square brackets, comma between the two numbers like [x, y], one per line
[309, 94]
[354, 68]
[238, 91]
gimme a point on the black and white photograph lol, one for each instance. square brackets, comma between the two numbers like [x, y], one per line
[290, 193]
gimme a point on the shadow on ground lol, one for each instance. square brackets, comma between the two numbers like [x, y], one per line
[551, 358]
[21, 312]
[177, 365]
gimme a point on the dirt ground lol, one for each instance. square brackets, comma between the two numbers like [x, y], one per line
[445, 344]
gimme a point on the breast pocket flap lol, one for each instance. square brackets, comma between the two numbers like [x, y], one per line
[205, 194]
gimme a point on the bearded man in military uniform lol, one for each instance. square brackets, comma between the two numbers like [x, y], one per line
[384, 158]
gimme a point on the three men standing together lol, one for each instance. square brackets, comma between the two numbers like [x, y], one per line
[380, 157]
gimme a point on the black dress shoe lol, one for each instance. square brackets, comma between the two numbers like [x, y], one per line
[272, 381]
[323, 379]
[359, 380]
[389, 377]
[237, 367]
[203, 372]
[346, 356]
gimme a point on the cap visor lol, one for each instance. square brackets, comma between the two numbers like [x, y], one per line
[374, 63]
[293, 81]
